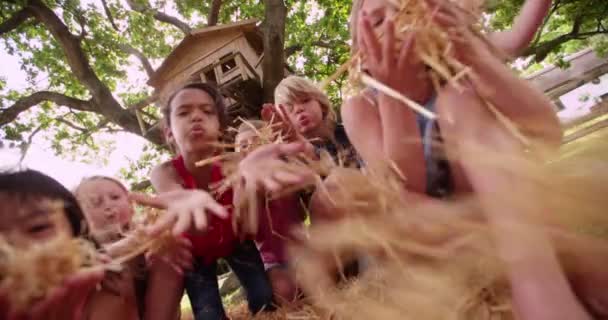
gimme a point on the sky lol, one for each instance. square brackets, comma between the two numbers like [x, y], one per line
[40, 155]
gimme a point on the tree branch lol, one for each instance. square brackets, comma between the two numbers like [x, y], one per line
[291, 50]
[541, 50]
[25, 146]
[9, 114]
[556, 5]
[102, 99]
[141, 186]
[106, 9]
[143, 103]
[214, 12]
[71, 125]
[140, 56]
[15, 21]
[160, 16]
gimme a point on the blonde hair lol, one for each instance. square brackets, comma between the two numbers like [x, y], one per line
[353, 21]
[249, 125]
[293, 89]
[94, 178]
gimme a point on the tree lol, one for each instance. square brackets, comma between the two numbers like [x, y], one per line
[570, 26]
[87, 64]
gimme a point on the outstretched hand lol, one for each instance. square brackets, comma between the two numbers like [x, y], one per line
[266, 169]
[185, 209]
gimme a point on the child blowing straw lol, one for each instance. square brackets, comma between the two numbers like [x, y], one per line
[138, 291]
[277, 221]
[34, 210]
[381, 125]
[195, 119]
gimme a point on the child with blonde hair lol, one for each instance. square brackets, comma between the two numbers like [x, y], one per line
[277, 221]
[137, 292]
[310, 112]
[383, 130]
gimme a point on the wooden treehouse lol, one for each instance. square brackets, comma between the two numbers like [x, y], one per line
[228, 55]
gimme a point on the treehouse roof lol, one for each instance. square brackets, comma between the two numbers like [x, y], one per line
[216, 36]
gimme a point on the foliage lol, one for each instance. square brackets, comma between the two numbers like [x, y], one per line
[316, 42]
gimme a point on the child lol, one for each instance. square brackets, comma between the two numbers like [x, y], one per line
[380, 125]
[275, 225]
[531, 262]
[195, 119]
[311, 114]
[28, 216]
[138, 291]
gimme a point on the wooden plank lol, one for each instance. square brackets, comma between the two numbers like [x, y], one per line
[583, 132]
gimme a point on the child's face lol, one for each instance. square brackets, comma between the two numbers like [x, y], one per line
[105, 204]
[378, 11]
[307, 116]
[25, 222]
[194, 121]
[245, 141]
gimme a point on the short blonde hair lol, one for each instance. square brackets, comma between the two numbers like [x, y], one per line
[293, 89]
[97, 178]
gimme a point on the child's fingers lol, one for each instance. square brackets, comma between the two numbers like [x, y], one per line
[388, 45]
[200, 219]
[164, 222]
[184, 222]
[144, 199]
[406, 48]
[267, 111]
[290, 149]
[271, 185]
[289, 178]
[370, 39]
[217, 209]
[184, 243]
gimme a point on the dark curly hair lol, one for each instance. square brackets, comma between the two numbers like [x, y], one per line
[211, 90]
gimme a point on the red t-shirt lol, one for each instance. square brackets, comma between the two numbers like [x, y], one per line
[219, 239]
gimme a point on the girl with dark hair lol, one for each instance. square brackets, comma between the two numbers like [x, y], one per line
[34, 209]
[195, 120]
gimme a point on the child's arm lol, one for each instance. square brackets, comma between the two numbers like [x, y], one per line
[530, 110]
[165, 281]
[535, 275]
[514, 41]
[164, 178]
[398, 134]
[185, 209]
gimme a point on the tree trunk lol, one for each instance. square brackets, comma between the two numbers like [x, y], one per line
[273, 65]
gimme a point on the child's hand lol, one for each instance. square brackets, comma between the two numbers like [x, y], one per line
[178, 257]
[399, 69]
[469, 48]
[185, 209]
[64, 303]
[280, 122]
[265, 169]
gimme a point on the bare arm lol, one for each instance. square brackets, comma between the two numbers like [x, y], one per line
[534, 272]
[531, 111]
[515, 40]
[164, 178]
[361, 121]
